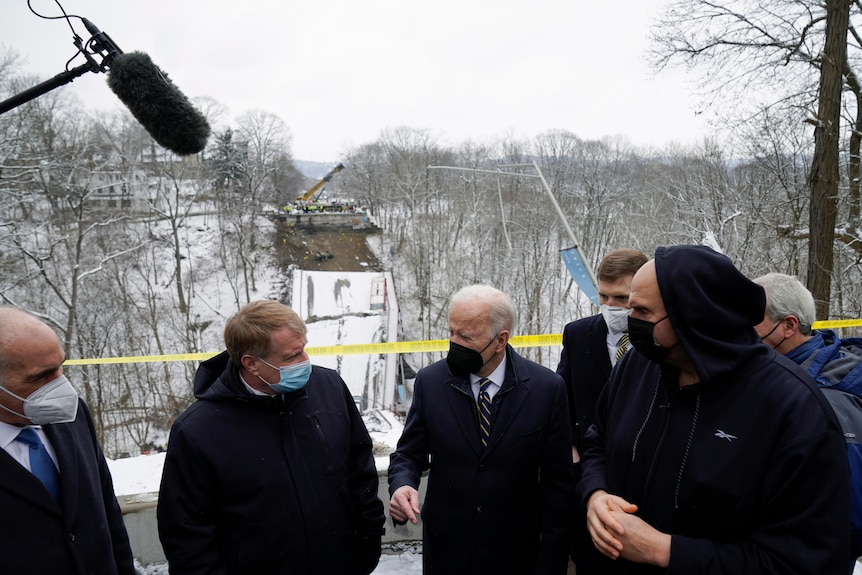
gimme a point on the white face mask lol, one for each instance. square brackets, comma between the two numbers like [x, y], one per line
[54, 402]
[616, 318]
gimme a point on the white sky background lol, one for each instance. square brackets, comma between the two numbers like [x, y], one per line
[339, 72]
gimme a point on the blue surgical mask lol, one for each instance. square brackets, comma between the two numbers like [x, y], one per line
[292, 377]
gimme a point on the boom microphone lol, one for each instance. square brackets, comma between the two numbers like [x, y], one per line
[157, 103]
[146, 91]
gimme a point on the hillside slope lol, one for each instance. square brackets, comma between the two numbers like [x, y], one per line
[300, 246]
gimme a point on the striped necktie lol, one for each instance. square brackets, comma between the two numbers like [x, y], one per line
[623, 347]
[41, 464]
[484, 410]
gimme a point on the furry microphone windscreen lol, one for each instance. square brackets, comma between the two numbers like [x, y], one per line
[157, 104]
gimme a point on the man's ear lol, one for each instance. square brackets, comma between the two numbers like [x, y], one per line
[249, 363]
[504, 336]
[791, 326]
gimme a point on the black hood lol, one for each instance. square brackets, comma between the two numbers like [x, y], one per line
[218, 379]
[712, 307]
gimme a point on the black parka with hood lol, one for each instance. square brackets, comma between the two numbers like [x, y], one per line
[260, 485]
[746, 468]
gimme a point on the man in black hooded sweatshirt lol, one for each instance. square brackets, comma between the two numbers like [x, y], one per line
[711, 453]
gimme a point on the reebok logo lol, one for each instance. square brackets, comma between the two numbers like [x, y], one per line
[724, 435]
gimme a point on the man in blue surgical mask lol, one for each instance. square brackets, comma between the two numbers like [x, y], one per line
[591, 347]
[271, 470]
[59, 510]
[491, 428]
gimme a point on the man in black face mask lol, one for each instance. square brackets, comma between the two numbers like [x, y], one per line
[833, 362]
[492, 430]
[710, 453]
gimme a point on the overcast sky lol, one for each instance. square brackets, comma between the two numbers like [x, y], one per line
[339, 72]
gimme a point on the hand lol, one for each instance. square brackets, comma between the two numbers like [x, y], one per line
[642, 543]
[404, 505]
[603, 513]
[367, 553]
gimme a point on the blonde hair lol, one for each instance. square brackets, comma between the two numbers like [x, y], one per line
[249, 331]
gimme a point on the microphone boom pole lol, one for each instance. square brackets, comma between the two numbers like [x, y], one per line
[60, 79]
[100, 42]
[164, 112]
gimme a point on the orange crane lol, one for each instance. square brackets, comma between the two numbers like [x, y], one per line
[319, 186]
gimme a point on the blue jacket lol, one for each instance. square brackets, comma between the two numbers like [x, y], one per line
[744, 469]
[84, 536]
[836, 366]
[269, 485]
[502, 509]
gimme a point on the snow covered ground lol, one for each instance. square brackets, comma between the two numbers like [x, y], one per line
[408, 563]
[337, 309]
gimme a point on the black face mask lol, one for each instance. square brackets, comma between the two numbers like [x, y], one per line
[642, 338]
[463, 360]
[763, 339]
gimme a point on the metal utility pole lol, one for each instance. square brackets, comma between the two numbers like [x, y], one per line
[593, 293]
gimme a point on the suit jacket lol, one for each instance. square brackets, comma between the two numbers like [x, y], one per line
[83, 536]
[502, 509]
[585, 367]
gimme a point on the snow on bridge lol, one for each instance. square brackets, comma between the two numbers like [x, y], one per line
[348, 308]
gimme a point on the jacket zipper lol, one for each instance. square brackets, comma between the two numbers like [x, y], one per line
[322, 435]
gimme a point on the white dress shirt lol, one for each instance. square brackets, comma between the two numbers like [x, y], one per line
[19, 450]
[497, 377]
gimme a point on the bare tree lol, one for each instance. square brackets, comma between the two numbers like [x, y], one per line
[824, 176]
[788, 48]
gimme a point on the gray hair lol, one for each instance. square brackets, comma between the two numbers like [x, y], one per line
[786, 295]
[501, 310]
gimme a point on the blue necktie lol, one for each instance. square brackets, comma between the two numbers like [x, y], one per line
[41, 464]
[484, 410]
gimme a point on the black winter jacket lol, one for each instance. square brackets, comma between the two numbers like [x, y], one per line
[258, 485]
[745, 469]
[502, 509]
[83, 536]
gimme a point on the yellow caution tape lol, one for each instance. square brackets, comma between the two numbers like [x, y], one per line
[836, 323]
[142, 358]
[536, 340]
[373, 348]
[430, 345]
